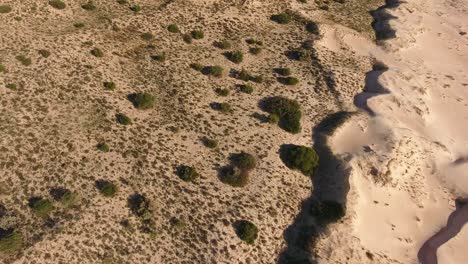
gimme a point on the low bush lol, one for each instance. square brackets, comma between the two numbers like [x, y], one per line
[10, 242]
[234, 56]
[2, 68]
[11, 86]
[147, 36]
[298, 54]
[234, 176]
[273, 119]
[187, 173]
[312, 27]
[66, 197]
[96, 52]
[288, 80]
[243, 161]
[197, 34]
[254, 42]
[187, 38]
[109, 85]
[282, 71]
[246, 231]
[209, 143]
[141, 100]
[24, 60]
[327, 211]
[135, 8]
[5, 9]
[44, 53]
[106, 188]
[216, 71]
[255, 50]
[301, 158]
[288, 111]
[102, 146]
[222, 91]
[57, 4]
[281, 18]
[161, 57]
[89, 6]
[224, 44]
[246, 88]
[173, 28]
[139, 205]
[41, 207]
[79, 25]
[222, 107]
[123, 119]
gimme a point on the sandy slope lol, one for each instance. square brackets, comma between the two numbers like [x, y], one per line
[409, 160]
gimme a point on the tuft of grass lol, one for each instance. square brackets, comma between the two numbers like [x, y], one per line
[173, 28]
[289, 112]
[281, 18]
[24, 60]
[235, 56]
[5, 9]
[10, 242]
[246, 88]
[89, 6]
[142, 100]
[57, 4]
[282, 71]
[122, 2]
[187, 173]
[66, 197]
[139, 205]
[41, 207]
[109, 86]
[246, 231]
[44, 53]
[216, 71]
[106, 188]
[196, 66]
[96, 52]
[102, 146]
[254, 42]
[197, 34]
[123, 119]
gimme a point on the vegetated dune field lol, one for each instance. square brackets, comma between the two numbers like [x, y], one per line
[210, 131]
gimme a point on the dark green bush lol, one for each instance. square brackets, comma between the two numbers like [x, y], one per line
[5, 9]
[106, 188]
[224, 44]
[196, 66]
[281, 18]
[173, 28]
[11, 86]
[288, 80]
[41, 207]
[97, 53]
[187, 173]
[283, 71]
[123, 119]
[273, 119]
[254, 42]
[10, 242]
[257, 78]
[141, 100]
[300, 158]
[102, 146]
[287, 110]
[246, 231]
[139, 205]
[246, 88]
[66, 197]
[222, 107]
[122, 2]
[109, 85]
[299, 54]
[79, 25]
[235, 56]
[312, 27]
[88, 6]
[216, 71]
[135, 8]
[2, 68]
[159, 57]
[255, 50]
[24, 60]
[243, 75]
[147, 36]
[209, 143]
[222, 91]
[327, 211]
[244, 161]
[197, 34]
[234, 176]
[44, 53]
[57, 4]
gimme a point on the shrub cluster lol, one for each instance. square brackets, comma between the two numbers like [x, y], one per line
[139, 205]
[246, 88]
[10, 241]
[312, 27]
[88, 6]
[141, 100]
[187, 173]
[123, 119]
[57, 4]
[40, 206]
[288, 80]
[234, 56]
[246, 76]
[300, 158]
[223, 44]
[216, 71]
[327, 211]
[246, 231]
[237, 173]
[106, 188]
[282, 71]
[24, 60]
[222, 91]
[288, 111]
[63, 195]
[222, 107]
[281, 18]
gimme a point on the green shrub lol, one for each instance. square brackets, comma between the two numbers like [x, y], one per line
[135, 8]
[327, 211]
[141, 100]
[289, 112]
[177, 223]
[187, 173]
[273, 119]
[102, 146]
[109, 86]
[299, 54]
[79, 25]
[254, 42]
[24, 60]
[187, 38]
[209, 143]
[106, 188]
[312, 27]
[66, 197]
[147, 36]
[173, 28]
[41, 207]
[255, 50]
[288, 80]
[196, 66]
[281, 18]
[2, 68]
[301, 158]
[244, 161]
[11, 86]
[122, 2]
[96, 52]
[222, 107]
[257, 78]
[10, 242]
[235, 56]
[159, 57]
[224, 44]
[44, 53]
[197, 34]
[5, 9]
[139, 205]
[234, 176]
[57, 4]
[222, 91]
[243, 75]
[216, 71]
[123, 119]
[246, 231]
[88, 6]
[246, 88]
[283, 71]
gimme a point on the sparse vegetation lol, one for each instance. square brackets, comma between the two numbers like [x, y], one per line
[197, 34]
[281, 18]
[209, 143]
[216, 71]
[102, 146]
[5, 9]
[40, 206]
[234, 56]
[196, 66]
[11, 86]
[222, 107]
[246, 231]
[24, 60]
[288, 80]
[301, 158]
[89, 6]
[287, 110]
[10, 242]
[135, 8]
[109, 86]
[223, 44]
[106, 188]
[254, 42]
[123, 119]
[246, 88]
[96, 52]
[222, 91]
[173, 28]
[255, 50]
[44, 53]
[66, 197]
[283, 71]
[57, 4]
[187, 173]
[139, 205]
[147, 36]
[2, 68]
[142, 100]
